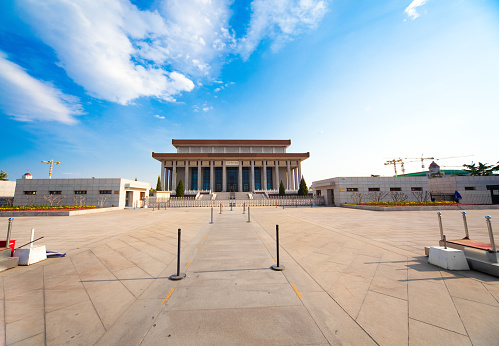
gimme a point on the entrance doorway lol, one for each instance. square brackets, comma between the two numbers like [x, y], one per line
[232, 179]
[129, 199]
[494, 193]
[246, 179]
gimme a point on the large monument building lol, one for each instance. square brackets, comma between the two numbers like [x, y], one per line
[230, 165]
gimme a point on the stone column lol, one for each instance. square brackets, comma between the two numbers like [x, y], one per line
[252, 176]
[240, 177]
[174, 175]
[212, 173]
[224, 177]
[276, 181]
[166, 187]
[186, 175]
[200, 175]
[294, 179]
[264, 173]
[162, 176]
[299, 172]
[288, 182]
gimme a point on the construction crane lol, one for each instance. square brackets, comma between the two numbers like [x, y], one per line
[394, 163]
[51, 163]
[419, 158]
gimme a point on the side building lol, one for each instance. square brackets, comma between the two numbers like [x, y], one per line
[230, 165]
[353, 190]
[7, 190]
[116, 192]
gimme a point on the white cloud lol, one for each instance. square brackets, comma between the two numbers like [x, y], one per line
[159, 116]
[27, 99]
[110, 48]
[119, 53]
[198, 33]
[206, 109]
[411, 9]
[279, 21]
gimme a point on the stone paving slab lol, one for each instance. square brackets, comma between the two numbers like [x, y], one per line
[353, 277]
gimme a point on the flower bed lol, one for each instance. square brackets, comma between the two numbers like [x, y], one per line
[24, 208]
[410, 204]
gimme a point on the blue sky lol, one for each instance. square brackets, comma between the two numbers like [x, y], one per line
[100, 85]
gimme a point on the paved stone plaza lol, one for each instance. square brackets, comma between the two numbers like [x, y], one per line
[352, 277]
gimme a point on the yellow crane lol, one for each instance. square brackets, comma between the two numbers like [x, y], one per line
[51, 163]
[394, 163]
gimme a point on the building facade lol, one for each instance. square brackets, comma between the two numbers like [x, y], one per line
[115, 192]
[473, 189]
[230, 165]
[352, 190]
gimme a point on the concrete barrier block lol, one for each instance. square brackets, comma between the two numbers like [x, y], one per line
[451, 259]
[31, 255]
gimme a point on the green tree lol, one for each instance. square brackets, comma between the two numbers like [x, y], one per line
[3, 176]
[282, 191]
[158, 185]
[480, 170]
[180, 189]
[303, 190]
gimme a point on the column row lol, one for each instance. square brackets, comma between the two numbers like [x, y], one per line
[223, 176]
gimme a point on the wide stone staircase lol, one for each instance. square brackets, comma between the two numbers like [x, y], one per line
[235, 195]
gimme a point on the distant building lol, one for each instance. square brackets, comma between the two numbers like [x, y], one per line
[230, 165]
[473, 189]
[115, 192]
[348, 190]
[7, 191]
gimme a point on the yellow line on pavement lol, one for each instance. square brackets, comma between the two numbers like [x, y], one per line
[259, 236]
[168, 296]
[199, 247]
[205, 237]
[296, 290]
[188, 264]
[266, 246]
[275, 260]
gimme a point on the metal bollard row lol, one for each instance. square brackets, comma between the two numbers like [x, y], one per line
[179, 275]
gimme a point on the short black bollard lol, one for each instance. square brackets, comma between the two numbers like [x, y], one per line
[179, 275]
[249, 214]
[445, 242]
[277, 267]
[211, 215]
[244, 207]
[221, 208]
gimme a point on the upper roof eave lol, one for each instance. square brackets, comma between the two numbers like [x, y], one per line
[222, 156]
[231, 142]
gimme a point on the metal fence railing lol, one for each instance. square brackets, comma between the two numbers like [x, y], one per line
[179, 202]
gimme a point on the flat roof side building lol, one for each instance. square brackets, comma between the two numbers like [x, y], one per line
[7, 188]
[352, 190]
[99, 192]
[473, 189]
[221, 165]
[7, 191]
[348, 190]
